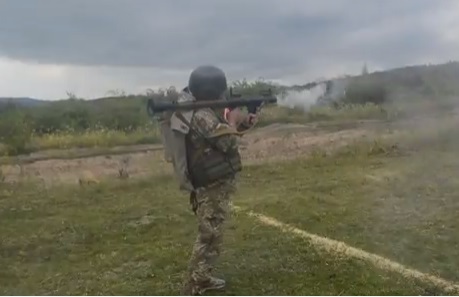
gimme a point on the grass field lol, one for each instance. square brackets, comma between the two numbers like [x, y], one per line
[134, 237]
[97, 138]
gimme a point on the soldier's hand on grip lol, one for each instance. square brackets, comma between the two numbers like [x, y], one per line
[236, 117]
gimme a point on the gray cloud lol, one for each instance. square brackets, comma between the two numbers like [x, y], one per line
[269, 38]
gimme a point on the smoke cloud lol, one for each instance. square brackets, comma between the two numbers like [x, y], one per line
[307, 98]
[304, 99]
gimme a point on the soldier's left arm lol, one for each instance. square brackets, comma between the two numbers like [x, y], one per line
[247, 124]
[226, 137]
[223, 135]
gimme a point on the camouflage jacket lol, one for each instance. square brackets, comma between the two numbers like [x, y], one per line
[178, 138]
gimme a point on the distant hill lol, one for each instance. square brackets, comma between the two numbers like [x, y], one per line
[411, 81]
[22, 101]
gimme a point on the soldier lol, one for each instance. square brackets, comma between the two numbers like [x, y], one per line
[206, 159]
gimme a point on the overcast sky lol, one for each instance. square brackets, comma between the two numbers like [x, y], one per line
[89, 47]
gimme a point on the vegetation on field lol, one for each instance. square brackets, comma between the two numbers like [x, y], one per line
[394, 195]
[111, 239]
[95, 138]
[122, 119]
[345, 112]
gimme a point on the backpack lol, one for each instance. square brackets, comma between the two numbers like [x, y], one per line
[173, 137]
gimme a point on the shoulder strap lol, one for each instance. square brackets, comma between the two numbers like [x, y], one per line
[181, 121]
[208, 140]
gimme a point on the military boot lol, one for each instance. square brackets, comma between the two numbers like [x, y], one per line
[192, 289]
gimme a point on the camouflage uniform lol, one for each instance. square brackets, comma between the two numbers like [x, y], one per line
[203, 150]
[211, 203]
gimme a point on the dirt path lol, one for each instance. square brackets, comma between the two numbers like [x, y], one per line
[272, 143]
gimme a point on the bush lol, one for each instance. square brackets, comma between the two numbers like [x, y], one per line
[15, 132]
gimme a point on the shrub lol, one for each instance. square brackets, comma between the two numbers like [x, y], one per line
[15, 132]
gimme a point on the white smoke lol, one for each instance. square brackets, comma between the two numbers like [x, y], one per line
[338, 89]
[303, 98]
[307, 98]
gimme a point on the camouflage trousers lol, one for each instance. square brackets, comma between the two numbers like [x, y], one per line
[212, 208]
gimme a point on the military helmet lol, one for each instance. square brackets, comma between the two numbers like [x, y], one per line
[207, 82]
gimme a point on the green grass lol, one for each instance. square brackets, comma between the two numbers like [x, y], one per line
[404, 207]
[88, 243]
[134, 237]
